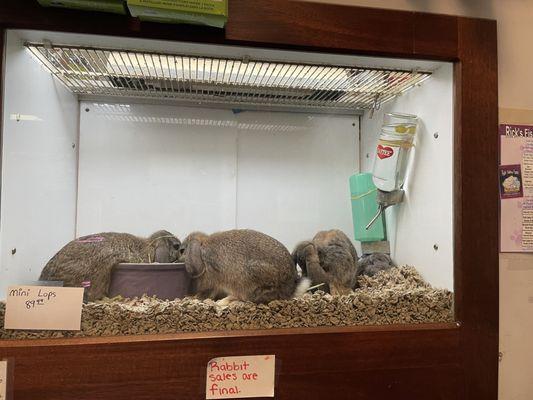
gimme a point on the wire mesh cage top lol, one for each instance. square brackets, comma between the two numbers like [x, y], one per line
[239, 82]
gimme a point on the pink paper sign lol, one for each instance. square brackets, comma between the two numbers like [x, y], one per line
[516, 188]
[240, 377]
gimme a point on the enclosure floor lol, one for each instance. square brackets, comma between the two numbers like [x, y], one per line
[399, 295]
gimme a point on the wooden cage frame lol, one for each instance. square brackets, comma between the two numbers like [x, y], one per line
[430, 361]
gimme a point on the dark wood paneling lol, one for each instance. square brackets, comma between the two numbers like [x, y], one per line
[476, 204]
[2, 72]
[4, 344]
[436, 35]
[343, 28]
[329, 27]
[268, 23]
[350, 365]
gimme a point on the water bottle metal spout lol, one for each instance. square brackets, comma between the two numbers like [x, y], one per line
[380, 211]
[386, 199]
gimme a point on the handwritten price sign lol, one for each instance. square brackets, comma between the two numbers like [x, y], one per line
[240, 377]
[3, 380]
[43, 307]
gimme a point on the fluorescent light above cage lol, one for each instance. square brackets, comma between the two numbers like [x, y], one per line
[238, 82]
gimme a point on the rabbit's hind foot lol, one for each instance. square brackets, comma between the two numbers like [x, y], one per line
[226, 301]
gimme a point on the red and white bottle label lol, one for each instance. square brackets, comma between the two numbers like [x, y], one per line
[385, 167]
[385, 151]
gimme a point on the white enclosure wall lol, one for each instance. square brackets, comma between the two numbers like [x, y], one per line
[146, 167]
[421, 228]
[39, 164]
[294, 183]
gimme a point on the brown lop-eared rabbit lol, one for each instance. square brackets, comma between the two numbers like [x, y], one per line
[329, 260]
[243, 265]
[91, 258]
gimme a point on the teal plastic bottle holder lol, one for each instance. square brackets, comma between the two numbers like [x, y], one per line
[364, 208]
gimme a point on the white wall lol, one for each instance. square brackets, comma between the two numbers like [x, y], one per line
[141, 170]
[425, 217]
[38, 190]
[146, 167]
[293, 184]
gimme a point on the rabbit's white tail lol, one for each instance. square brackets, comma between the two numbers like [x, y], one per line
[301, 287]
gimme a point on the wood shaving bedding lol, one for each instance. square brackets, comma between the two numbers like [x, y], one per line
[398, 295]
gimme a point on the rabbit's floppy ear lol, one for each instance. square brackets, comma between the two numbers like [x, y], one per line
[299, 260]
[315, 271]
[298, 255]
[194, 264]
[294, 256]
[162, 252]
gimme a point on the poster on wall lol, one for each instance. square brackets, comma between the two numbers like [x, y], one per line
[516, 188]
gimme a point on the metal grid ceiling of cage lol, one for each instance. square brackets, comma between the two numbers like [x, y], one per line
[126, 73]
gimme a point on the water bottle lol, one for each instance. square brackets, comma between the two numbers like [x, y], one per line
[392, 152]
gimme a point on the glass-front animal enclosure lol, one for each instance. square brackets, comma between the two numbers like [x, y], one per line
[321, 184]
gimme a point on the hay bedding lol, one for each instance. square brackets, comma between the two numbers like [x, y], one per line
[399, 295]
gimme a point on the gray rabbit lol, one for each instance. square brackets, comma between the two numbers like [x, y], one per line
[241, 264]
[329, 259]
[371, 264]
[91, 258]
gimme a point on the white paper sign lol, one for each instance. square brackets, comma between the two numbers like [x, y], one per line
[240, 377]
[3, 380]
[43, 307]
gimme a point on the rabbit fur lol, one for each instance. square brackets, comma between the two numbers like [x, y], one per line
[241, 264]
[329, 259]
[92, 258]
[371, 264]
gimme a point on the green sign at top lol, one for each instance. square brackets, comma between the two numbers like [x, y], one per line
[114, 6]
[203, 12]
